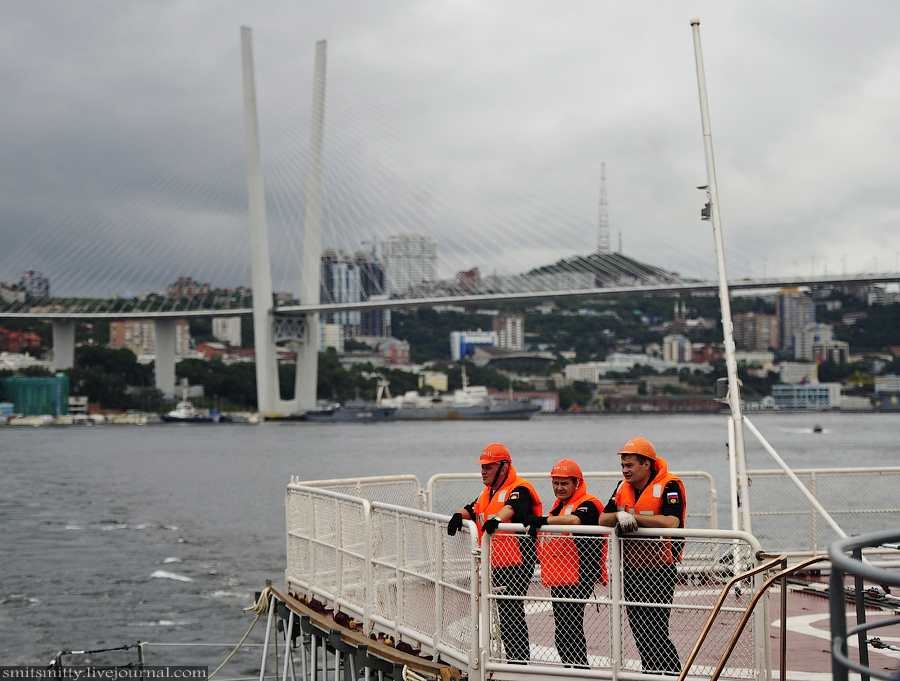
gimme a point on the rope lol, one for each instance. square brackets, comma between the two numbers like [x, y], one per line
[261, 606]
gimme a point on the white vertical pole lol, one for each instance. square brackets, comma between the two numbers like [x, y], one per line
[308, 351]
[63, 344]
[734, 394]
[267, 394]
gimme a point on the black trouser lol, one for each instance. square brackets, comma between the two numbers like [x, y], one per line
[570, 642]
[513, 627]
[650, 625]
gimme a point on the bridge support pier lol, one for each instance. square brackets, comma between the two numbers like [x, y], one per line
[164, 329]
[63, 344]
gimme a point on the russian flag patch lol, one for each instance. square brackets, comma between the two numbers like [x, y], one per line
[672, 497]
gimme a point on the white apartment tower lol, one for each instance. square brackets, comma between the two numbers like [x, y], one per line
[410, 259]
[227, 330]
[510, 330]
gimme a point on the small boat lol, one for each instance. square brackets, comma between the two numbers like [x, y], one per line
[817, 428]
[185, 412]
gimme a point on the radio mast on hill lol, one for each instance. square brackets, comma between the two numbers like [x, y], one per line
[603, 237]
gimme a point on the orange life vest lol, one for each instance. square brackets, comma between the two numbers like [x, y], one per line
[645, 552]
[558, 553]
[504, 545]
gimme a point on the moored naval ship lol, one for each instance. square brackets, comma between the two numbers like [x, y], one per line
[469, 403]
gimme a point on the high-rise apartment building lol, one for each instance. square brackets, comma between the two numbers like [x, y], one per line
[227, 330]
[795, 310]
[375, 285]
[754, 331]
[510, 330]
[340, 283]
[139, 336]
[411, 260]
[352, 280]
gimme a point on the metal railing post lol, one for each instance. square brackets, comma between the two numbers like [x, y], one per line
[615, 589]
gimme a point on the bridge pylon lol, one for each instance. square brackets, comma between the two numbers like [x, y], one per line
[268, 328]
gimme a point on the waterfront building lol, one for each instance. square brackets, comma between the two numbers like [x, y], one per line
[227, 330]
[510, 330]
[890, 383]
[795, 310]
[139, 336]
[411, 260]
[37, 396]
[807, 396]
[754, 331]
[36, 285]
[462, 343]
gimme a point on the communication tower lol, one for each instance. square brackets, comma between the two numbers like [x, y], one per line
[603, 237]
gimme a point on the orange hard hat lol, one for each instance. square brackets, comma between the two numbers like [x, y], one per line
[638, 445]
[567, 469]
[493, 453]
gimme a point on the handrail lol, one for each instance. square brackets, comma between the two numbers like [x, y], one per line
[841, 565]
[781, 575]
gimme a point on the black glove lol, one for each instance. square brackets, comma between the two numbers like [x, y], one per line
[534, 523]
[491, 525]
[455, 524]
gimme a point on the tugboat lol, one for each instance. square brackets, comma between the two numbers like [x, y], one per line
[185, 412]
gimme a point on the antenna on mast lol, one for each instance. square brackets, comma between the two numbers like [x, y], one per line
[603, 237]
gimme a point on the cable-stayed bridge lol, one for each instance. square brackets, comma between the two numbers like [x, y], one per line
[311, 184]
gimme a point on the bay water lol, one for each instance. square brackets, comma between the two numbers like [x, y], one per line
[114, 534]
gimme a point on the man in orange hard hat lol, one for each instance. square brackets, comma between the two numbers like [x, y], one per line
[648, 496]
[569, 565]
[506, 498]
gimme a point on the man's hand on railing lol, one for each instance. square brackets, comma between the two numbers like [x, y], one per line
[455, 524]
[491, 525]
[625, 523]
[534, 523]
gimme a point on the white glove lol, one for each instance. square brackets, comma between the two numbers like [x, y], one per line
[625, 523]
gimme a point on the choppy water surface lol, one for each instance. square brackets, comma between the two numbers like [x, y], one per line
[114, 534]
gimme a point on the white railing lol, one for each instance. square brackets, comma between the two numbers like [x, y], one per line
[448, 492]
[395, 569]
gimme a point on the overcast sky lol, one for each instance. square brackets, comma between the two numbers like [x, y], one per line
[482, 123]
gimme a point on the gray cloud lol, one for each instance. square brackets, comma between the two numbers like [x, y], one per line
[122, 162]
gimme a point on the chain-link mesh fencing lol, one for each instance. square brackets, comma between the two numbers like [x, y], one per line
[326, 546]
[422, 580]
[393, 568]
[658, 599]
[447, 493]
[860, 500]
[399, 490]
